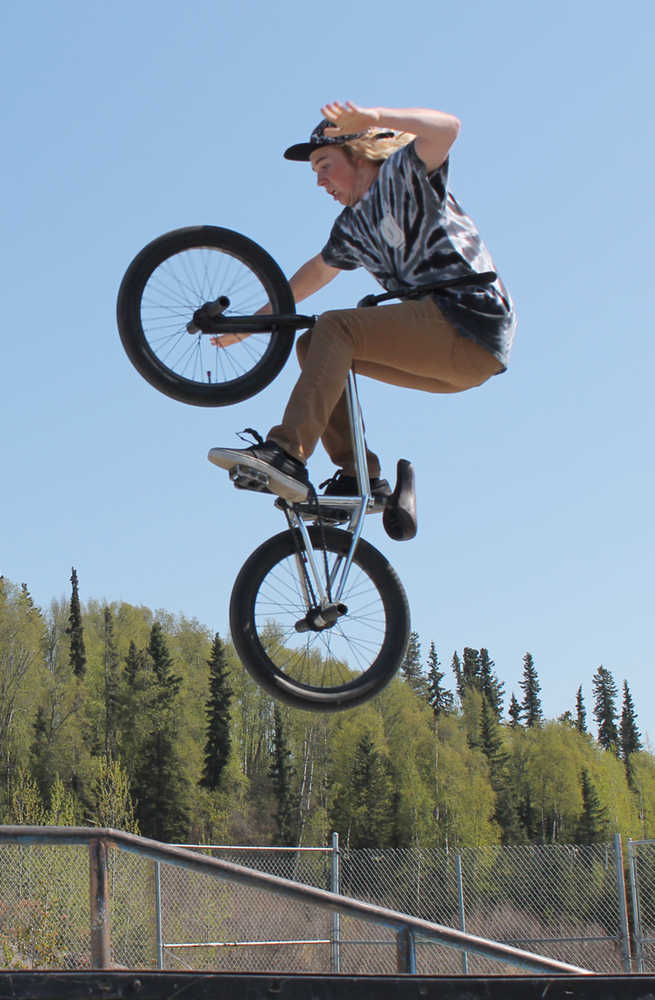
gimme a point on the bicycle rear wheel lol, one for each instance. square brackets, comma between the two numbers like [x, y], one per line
[175, 275]
[337, 667]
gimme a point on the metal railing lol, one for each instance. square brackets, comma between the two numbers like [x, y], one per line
[407, 929]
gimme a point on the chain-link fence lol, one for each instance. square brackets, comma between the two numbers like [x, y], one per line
[641, 867]
[563, 902]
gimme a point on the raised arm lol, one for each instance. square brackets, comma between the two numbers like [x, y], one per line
[435, 131]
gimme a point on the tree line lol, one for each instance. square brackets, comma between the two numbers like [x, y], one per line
[113, 715]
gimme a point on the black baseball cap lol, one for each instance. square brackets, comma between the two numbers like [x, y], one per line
[303, 150]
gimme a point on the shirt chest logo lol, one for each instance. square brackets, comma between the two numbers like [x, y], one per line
[391, 231]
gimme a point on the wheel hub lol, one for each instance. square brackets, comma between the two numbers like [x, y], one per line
[318, 619]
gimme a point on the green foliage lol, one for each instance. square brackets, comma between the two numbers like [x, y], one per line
[76, 631]
[282, 774]
[529, 684]
[593, 825]
[411, 668]
[439, 698]
[605, 694]
[629, 735]
[217, 745]
[165, 732]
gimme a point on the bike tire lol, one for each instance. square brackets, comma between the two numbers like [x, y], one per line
[308, 671]
[172, 277]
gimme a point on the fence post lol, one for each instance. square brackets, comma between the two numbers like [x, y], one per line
[99, 902]
[405, 951]
[335, 886]
[623, 904]
[462, 914]
[636, 913]
[160, 943]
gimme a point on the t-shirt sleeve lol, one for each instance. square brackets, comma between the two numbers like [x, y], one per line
[337, 252]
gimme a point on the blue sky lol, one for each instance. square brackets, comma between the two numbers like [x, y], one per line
[123, 121]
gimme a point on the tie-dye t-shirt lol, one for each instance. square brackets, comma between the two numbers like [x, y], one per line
[407, 231]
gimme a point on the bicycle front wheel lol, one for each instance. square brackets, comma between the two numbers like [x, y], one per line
[174, 276]
[333, 668]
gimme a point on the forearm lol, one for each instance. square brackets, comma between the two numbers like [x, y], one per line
[421, 122]
[314, 274]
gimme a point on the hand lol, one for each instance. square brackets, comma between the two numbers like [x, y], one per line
[227, 339]
[348, 118]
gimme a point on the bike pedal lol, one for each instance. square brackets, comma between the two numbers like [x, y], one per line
[249, 479]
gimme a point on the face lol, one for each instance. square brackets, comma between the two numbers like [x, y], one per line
[338, 174]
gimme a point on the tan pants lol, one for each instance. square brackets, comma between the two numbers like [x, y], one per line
[410, 344]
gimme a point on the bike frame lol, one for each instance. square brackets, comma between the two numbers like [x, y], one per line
[357, 506]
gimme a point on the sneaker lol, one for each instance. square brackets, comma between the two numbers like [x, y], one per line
[341, 485]
[271, 469]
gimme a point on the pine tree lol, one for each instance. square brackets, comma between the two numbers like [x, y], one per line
[456, 667]
[160, 788]
[529, 684]
[112, 699]
[593, 825]
[492, 688]
[281, 772]
[217, 745]
[439, 699]
[605, 694]
[514, 712]
[629, 735]
[75, 630]
[42, 760]
[372, 795]
[471, 670]
[580, 712]
[410, 667]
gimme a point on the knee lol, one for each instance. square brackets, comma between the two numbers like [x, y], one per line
[302, 346]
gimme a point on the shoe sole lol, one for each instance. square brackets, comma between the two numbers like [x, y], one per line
[277, 482]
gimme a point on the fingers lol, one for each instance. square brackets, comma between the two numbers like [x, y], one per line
[348, 117]
[226, 339]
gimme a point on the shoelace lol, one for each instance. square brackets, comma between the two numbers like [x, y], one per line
[253, 433]
[334, 478]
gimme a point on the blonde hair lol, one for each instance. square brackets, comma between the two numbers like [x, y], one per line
[377, 150]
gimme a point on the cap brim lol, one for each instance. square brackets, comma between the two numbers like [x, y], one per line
[301, 151]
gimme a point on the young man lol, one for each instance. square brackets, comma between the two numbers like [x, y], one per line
[389, 169]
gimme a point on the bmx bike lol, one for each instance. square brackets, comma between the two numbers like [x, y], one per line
[318, 616]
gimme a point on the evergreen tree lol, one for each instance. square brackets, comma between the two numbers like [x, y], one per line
[456, 667]
[580, 712]
[372, 795]
[217, 745]
[112, 698]
[439, 699]
[605, 694]
[629, 735]
[75, 630]
[410, 667]
[514, 712]
[471, 679]
[593, 825]
[281, 771]
[160, 787]
[529, 684]
[492, 688]
[42, 760]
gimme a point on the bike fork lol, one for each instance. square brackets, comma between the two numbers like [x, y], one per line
[329, 591]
